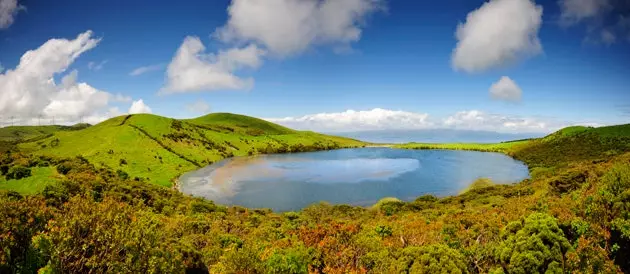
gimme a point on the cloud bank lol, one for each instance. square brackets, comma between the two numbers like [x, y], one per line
[383, 119]
[500, 32]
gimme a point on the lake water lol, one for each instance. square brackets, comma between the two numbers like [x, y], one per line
[360, 176]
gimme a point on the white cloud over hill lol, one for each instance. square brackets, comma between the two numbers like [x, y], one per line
[29, 92]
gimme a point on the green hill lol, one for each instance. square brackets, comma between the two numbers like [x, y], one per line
[22, 133]
[159, 149]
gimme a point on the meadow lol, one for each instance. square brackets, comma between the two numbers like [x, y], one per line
[572, 215]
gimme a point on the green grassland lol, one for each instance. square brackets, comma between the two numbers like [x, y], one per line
[40, 178]
[159, 149]
[497, 147]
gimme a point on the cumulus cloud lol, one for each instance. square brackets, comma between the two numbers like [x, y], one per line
[193, 70]
[199, 106]
[29, 91]
[146, 69]
[97, 66]
[506, 89]
[8, 11]
[139, 107]
[287, 27]
[351, 120]
[500, 32]
[383, 119]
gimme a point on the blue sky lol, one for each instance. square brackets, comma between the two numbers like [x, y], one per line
[401, 64]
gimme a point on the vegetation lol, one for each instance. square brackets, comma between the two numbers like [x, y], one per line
[573, 215]
[159, 149]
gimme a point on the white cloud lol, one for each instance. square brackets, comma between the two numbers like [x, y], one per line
[193, 70]
[351, 120]
[574, 11]
[506, 89]
[383, 119]
[500, 32]
[28, 91]
[96, 66]
[287, 27]
[145, 69]
[199, 106]
[478, 120]
[139, 107]
[8, 11]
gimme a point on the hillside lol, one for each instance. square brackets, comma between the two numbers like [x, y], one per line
[159, 149]
[571, 216]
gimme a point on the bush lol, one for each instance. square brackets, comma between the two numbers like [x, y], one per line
[64, 168]
[123, 162]
[533, 245]
[122, 175]
[430, 259]
[18, 172]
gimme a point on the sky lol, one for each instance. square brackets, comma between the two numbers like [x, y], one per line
[512, 66]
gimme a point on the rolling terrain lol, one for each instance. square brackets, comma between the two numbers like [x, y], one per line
[159, 149]
[571, 216]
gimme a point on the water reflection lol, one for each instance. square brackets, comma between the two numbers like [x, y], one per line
[353, 176]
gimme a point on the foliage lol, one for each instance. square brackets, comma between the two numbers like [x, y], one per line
[83, 214]
[534, 245]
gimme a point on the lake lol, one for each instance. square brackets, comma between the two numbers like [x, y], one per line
[359, 176]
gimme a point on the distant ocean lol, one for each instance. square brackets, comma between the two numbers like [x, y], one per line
[436, 136]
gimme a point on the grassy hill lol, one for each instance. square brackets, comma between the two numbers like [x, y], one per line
[159, 149]
[22, 133]
[567, 145]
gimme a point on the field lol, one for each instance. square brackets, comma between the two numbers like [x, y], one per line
[159, 149]
[498, 147]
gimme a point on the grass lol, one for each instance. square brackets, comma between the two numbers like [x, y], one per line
[24, 133]
[160, 149]
[478, 184]
[498, 147]
[40, 178]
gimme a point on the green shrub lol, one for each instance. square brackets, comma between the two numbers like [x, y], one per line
[430, 259]
[18, 172]
[533, 245]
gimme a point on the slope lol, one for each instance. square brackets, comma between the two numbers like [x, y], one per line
[159, 149]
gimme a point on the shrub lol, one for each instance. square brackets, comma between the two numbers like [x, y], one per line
[430, 259]
[533, 245]
[122, 175]
[64, 168]
[123, 162]
[18, 172]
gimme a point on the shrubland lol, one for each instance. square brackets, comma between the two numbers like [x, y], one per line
[572, 215]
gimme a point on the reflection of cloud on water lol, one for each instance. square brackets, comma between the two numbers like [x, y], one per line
[222, 181]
